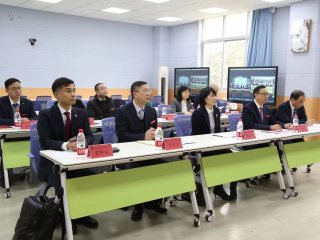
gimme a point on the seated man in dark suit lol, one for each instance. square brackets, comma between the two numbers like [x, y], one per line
[12, 102]
[256, 115]
[136, 121]
[101, 106]
[9, 105]
[295, 105]
[57, 129]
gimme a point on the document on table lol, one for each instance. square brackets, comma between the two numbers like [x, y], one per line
[225, 134]
[148, 142]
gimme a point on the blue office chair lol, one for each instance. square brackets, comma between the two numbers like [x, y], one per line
[116, 96]
[109, 130]
[233, 121]
[35, 148]
[91, 98]
[183, 125]
[79, 97]
[169, 109]
[85, 103]
[41, 102]
[222, 103]
[119, 102]
[156, 100]
[50, 103]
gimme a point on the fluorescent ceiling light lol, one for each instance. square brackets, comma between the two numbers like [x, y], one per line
[272, 1]
[169, 19]
[157, 1]
[49, 1]
[115, 10]
[213, 10]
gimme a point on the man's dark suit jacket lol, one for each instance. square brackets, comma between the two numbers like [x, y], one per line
[201, 123]
[51, 133]
[251, 117]
[6, 112]
[127, 123]
[284, 113]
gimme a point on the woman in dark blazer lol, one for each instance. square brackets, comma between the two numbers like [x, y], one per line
[206, 120]
[182, 103]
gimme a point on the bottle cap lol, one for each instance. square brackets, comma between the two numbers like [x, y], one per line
[80, 130]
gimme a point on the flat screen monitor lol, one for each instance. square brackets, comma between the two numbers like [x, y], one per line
[242, 81]
[194, 78]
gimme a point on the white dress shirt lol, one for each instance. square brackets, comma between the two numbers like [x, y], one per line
[184, 107]
[211, 120]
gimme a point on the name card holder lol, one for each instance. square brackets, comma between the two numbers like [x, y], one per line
[169, 117]
[249, 134]
[100, 150]
[172, 143]
[303, 128]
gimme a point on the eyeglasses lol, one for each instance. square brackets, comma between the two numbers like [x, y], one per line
[264, 94]
[149, 91]
[15, 89]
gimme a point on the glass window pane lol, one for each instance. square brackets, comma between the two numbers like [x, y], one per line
[212, 57]
[234, 56]
[213, 28]
[236, 25]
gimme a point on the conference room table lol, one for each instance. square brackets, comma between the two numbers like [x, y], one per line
[104, 192]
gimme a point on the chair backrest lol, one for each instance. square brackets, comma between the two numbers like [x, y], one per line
[109, 130]
[119, 102]
[233, 121]
[116, 96]
[35, 147]
[161, 106]
[85, 103]
[23, 96]
[129, 98]
[156, 100]
[222, 103]
[183, 125]
[50, 103]
[41, 102]
[91, 97]
[79, 97]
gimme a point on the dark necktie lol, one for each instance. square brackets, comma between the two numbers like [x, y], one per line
[261, 113]
[15, 105]
[67, 126]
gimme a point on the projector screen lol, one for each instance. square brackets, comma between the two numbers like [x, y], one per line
[242, 81]
[194, 78]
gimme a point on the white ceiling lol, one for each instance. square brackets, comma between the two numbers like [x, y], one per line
[143, 12]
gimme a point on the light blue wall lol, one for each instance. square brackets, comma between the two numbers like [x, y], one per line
[86, 50]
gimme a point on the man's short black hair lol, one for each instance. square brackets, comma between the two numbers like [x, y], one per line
[180, 91]
[96, 86]
[60, 83]
[296, 94]
[136, 85]
[10, 81]
[204, 93]
[257, 89]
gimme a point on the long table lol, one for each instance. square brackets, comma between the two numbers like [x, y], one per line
[103, 192]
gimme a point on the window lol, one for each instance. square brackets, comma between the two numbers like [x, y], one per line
[224, 41]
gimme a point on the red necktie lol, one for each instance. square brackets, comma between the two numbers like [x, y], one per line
[67, 126]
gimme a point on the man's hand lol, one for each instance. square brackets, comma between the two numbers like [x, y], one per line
[72, 144]
[150, 134]
[288, 126]
[311, 122]
[24, 120]
[276, 127]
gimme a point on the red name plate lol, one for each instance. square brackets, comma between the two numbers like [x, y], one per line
[169, 116]
[91, 121]
[100, 150]
[249, 134]
[4, 126]
[26, 125]
[303, 128]
[172, 143]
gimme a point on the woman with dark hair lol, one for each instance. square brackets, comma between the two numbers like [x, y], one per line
[182, 103]
[206, 120]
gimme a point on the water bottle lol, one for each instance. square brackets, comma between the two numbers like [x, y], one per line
[81, 143]
[164, 111]
[17, 119]
[295, 122]
[239, 134]
[227, 109]
[159, 136]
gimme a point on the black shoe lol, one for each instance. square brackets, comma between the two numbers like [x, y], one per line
[233, 191]
[89, 222]
[137, 213]
[74, 227]
[294, 169]
[267, 176]
[218, 190]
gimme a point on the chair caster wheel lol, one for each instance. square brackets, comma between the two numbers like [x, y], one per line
[267, 176]
[294, 193]
[255, 182]
[308, 170]
[209, 218]
[163, 205]
[286, 195]
[248, 184]
[6, 194]
[196, 222]
[173, 203]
